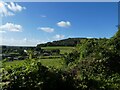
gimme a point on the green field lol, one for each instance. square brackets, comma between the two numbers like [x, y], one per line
[62, 49]
[50, 57]
[49, 61]
[57, 63]
[13, 63]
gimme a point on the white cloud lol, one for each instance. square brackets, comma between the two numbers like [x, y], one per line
[64, 24]
[43, 16]
[89, 37]
[46, 29]
[1, 4]
[20, 42]
[2, 31]
[4, 11]
[9, 9]
[25, 39]
[57, 36]
[15, 7]
[11, 27]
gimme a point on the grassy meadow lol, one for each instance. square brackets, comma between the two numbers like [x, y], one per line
[62, 49]
[48, 61]
[57, 63]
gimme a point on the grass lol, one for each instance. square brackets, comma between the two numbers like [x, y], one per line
[50, 57]
[13, 63]
[56, 63]
[49, 61]
[0, 64]
[63, 49]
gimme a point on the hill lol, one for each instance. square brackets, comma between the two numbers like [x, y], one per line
[65, 42]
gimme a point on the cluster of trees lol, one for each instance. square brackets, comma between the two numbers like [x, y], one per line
[93, 65]
[33, 76]
[98, 67]
[15, 49]
[10, 53]
[64, 42]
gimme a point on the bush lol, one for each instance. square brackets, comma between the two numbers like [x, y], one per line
[34, 76]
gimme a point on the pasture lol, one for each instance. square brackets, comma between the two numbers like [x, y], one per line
[48, 61]
[56, 63]
[62, 49]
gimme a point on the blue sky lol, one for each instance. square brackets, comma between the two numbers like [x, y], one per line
[29, 23]
[63, 0]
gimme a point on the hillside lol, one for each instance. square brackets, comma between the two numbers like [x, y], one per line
[93, 65]
[65, 42]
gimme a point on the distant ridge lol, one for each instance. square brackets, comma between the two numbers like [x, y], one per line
[65, 42]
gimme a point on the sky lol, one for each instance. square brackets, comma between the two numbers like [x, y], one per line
[63, 0]
[32, 23]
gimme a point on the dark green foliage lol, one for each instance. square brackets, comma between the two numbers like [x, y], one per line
[92, 47]
[38, 48]
[99, 64]
[34, 76]
[64, 42]
[56, 51]
[93, 65]
[71, 57]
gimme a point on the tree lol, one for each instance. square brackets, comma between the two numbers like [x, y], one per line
[30, 53]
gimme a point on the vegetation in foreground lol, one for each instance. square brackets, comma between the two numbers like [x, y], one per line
[92, 65]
